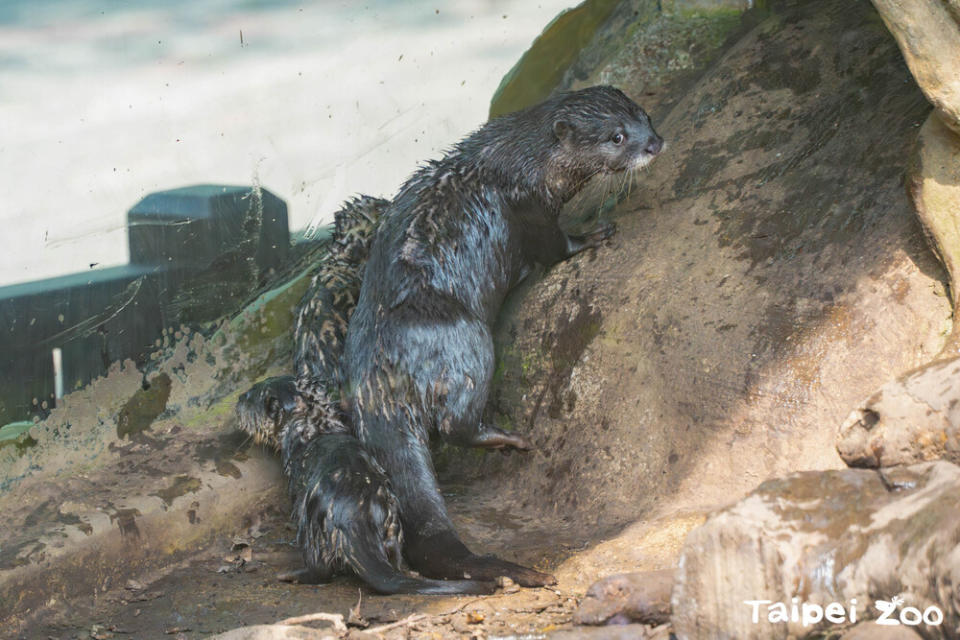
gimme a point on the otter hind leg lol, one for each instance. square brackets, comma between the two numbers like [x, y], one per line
[372, 565]
[443, 555]
[489, 567]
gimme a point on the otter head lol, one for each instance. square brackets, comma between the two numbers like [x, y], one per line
[601, 130]
[266, 408]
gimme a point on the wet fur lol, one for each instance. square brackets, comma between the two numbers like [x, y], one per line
[462, 231]
[346, 514]
[321, 324]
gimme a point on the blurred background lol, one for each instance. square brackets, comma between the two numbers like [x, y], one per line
[104, 102]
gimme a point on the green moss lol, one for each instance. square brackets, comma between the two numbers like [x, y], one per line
[17, 434]
[654, 49]
[143, 408]
[269, 316]
[180, 486]
[542, 67]
[215, 414]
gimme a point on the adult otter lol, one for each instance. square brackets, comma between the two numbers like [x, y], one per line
[460, 233]
[346, 514]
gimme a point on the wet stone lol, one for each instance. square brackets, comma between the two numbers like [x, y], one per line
[631, 597]
[872, 631]
[835, 539]
[914, 418]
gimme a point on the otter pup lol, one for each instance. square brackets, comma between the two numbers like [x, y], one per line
[461, 232]
[323, 313]
[345, 510]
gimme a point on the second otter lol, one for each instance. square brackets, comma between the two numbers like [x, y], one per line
[459, 235]
[346, 514]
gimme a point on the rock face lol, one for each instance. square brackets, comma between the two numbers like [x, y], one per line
[830, 537]
[914, 417]
[933, 181]
[628, 597]
[767, 273]
[928, 32]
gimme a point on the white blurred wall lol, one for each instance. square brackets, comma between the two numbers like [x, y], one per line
[104, 102]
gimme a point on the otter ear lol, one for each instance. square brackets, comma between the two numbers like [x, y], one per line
[562, 129]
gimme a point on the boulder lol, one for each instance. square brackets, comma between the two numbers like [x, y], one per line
[928, 32]
[835, 541]
[911, 419]
[914, 417]
[628, 597]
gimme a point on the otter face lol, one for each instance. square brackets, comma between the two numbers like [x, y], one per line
[265, 408]
[606, 131]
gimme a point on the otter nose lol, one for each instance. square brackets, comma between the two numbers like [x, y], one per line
[654, 145]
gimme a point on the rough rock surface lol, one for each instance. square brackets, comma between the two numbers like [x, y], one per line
[928, 32]
[767, 273]
[825, 537]
[870, 631]
[914, 418]
[275, 632]
[933, 181]
[628, 597]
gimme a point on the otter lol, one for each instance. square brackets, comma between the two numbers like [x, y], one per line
[461, 232]
[347, 516]
[321, 318]
[346, 513]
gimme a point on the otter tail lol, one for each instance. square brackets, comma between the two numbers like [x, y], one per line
[383, 578]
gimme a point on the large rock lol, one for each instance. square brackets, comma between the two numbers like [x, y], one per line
[928, 32]
[911, 419]
[768, 273]
[830, 537]
[915, 417]
[933, 181]
[628, 597]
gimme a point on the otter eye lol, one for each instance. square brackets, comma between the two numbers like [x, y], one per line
[617, 138]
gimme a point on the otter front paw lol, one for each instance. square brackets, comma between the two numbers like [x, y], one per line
[576, 244]
[604, 231]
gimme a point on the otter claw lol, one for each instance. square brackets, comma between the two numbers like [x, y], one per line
[604, 232]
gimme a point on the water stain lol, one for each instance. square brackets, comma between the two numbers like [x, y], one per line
[181, 485]
[143, 407]
[126, 520]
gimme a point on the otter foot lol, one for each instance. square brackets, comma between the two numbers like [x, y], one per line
[488, 437]
[490, 567]
[443, 555]
[605, 231]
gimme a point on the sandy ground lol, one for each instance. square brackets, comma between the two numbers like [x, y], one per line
[102, 103]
